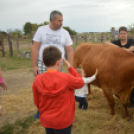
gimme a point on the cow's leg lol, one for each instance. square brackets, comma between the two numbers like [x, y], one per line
[89, 89]
[126, 115]
[123, 99]
[110, 99]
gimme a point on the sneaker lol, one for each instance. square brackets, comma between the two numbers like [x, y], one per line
[37, 115]
[80, 106]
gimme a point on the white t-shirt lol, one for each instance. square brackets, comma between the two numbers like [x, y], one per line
[48, 37]
[81, 92]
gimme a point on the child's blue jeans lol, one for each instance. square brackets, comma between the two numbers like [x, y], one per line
[82, 102]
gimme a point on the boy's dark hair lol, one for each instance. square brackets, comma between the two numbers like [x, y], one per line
[50, 55]
[123, 29]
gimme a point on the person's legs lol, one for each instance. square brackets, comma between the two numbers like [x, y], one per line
[80, 106]
[63, 131]
[78, 99]
[50, 131]
[84, 103]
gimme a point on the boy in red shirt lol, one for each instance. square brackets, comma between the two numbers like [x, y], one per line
[54, 95]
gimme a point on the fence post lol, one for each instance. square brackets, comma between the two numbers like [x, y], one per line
[93, 37]
[133, 33]
[107, 36]
[17, 40]
[113, 33]
[2, 46]
[76, 41]
[10, 45]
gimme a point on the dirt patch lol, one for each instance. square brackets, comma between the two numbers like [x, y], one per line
[17, 80]
[16, 102]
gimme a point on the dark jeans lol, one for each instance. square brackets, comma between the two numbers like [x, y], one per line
[59, 131]
[82, 102]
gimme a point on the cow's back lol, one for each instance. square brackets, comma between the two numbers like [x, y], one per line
[81, 51]
[109, 60]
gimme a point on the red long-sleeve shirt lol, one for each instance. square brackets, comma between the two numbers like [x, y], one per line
[54, 97]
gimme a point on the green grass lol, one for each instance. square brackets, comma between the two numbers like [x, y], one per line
[11, 63]
[19, 127]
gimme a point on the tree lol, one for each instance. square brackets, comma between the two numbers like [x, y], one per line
[40, 24]
[27, 28]
[4, 34]
[71, 32]
[34, 27]
[131, 29]
[17, 32]
[46, 22]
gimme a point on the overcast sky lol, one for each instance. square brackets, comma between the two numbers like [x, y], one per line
[80, 15]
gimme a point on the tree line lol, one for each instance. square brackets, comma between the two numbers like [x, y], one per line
[29, 29]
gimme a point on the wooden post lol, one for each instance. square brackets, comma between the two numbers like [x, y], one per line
[32, 37]
[106, 37]
[2, 47]
[10, 45]
[76, 41]
[133, 33]
[113, 33]
[17, 40]
[93, 38]
[85, 37]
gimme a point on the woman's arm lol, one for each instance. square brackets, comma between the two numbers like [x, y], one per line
[89, 79]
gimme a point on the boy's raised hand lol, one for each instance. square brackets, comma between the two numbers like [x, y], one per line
[96, 73]
[67, 63]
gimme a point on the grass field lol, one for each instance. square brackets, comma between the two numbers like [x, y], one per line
[18, 108]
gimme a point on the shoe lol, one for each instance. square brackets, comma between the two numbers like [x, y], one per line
[84, 108]
[37, 115]
[80, 106]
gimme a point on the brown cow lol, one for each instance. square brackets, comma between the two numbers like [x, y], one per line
[116, 70]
